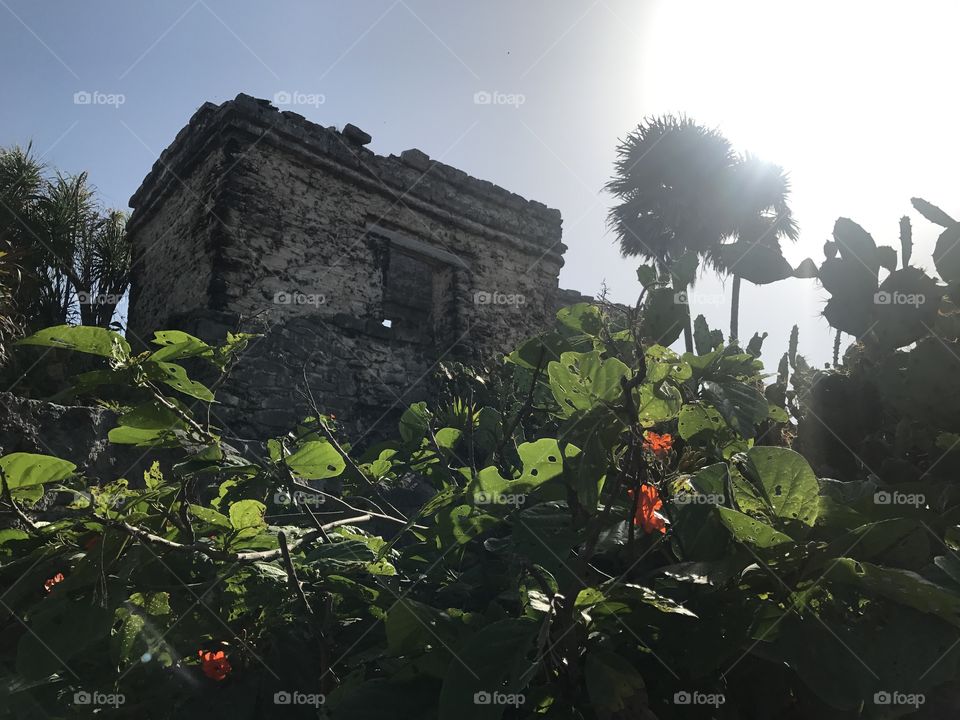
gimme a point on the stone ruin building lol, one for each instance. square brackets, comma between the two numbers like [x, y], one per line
[366, 269]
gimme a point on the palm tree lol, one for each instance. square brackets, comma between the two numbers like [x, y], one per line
[682, 189]
[669, 176]
[760, 216]
[71, 251]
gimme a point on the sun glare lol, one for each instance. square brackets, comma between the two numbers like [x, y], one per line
[845, 98]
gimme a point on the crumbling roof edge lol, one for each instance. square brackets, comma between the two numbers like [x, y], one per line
[210, 116]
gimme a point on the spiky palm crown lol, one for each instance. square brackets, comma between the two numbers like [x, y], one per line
[682, 188]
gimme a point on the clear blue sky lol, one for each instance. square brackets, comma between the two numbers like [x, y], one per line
[855, 102]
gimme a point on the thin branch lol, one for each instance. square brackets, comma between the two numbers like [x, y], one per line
[527, 404]
[18, 511]
[400, 521]
[325, 431]
[213, 553]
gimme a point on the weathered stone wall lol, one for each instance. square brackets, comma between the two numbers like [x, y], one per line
[76, 433]
[254, 213]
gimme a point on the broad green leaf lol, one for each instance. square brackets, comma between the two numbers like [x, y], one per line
[412, 625]
[150, 423]
[176, 345]
[316, 460]
[447, 438]
[696, 527]
[579, 381]
[663, 363]
[540, 350]
[60, 632]
[211, 516]
[902, 586]
[124, 640]
[751, 531]
[176, 377]
[698, 421]
[81, 338]
[657, 402]
[580, 319]
[24, 470]
[790, 483]
[631, 592]
[588, 597]
[414, 423]
[610, 681]
[743, 406]
[153, 603]
[493, 660]
[463, 523]
[247, 514]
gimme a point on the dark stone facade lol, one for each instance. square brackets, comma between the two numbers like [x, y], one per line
[361, 271]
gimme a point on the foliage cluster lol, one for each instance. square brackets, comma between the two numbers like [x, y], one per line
[613, 531]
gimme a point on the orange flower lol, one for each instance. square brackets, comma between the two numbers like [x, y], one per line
[48, 584]
[647, 508]
[659, 445]
[214, 664]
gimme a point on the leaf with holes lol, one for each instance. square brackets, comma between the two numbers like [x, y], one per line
[790, 485]
[82, 338]
[24, 470]
[316, 460]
